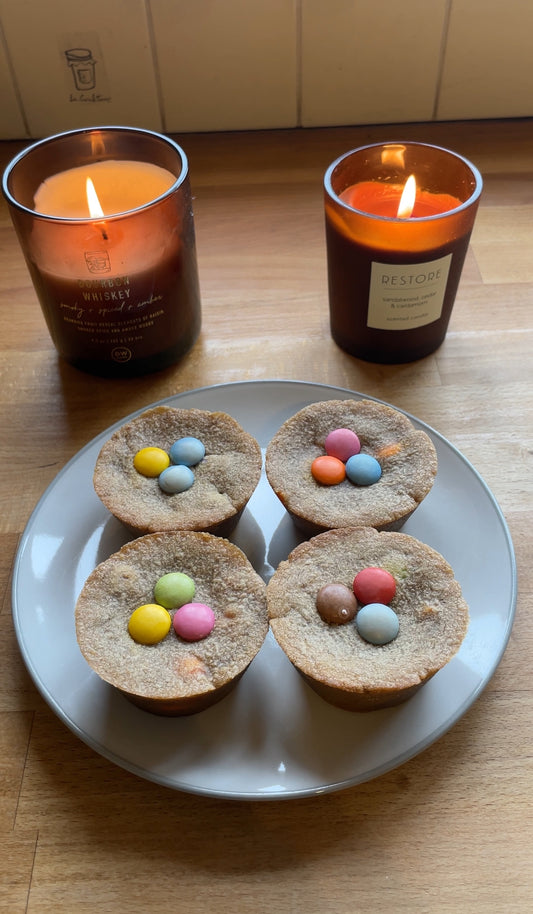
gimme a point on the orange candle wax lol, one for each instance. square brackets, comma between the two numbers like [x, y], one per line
[120, 185]
[381, 199]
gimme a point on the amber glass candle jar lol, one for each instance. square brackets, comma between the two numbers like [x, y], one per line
[113, 264]
[394, 263]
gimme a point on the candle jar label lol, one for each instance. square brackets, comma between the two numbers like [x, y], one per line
[105, 319]
[405, 296]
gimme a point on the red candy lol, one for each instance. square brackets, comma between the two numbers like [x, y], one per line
[328, 470]
[374, 585]
[342, 443]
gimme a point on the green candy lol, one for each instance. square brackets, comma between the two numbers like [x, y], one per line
[174, 589]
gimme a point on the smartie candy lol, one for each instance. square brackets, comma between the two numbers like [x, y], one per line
[173, 470]
[336, 604]
[375, 621]
[344, 460]
[151, 622]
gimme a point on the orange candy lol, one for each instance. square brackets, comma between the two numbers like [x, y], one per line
[328, 470]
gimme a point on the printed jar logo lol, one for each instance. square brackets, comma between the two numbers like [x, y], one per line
[121, 354]
[97, 261]
[85, 77]
[82, 66]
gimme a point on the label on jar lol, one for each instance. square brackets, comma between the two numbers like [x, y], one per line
[405, 296]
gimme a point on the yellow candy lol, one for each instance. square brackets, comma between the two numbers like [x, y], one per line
[151, 461]
[149, 623]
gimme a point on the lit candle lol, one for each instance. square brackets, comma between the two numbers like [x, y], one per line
[109, 241]
[398, 223]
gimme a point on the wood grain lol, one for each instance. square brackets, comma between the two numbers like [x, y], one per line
[450, 830]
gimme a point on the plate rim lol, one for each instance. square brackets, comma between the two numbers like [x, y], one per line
[183, 786]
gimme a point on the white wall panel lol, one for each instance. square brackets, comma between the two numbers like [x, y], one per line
[226, 64]
[12, 124]
[488, 65]
[368, 62]
[80, 64]
[208, 65]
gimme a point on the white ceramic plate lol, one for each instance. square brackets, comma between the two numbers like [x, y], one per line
[273, 737]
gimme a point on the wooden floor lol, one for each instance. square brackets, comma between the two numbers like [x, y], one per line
[452, 829]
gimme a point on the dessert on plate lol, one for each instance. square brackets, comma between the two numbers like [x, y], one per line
[172, 620]
[178, 469]
[367, 617]
[345, 463]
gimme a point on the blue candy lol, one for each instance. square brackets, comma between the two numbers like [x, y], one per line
[377, 623]
[363, 470]
[176, 479]
[187, 452]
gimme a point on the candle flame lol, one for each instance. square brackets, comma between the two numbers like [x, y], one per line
[95, 209]
[407, 200]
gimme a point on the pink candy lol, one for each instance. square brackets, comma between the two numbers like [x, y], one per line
[342, 443]
[193, 621]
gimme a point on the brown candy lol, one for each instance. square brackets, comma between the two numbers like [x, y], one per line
[336, 604]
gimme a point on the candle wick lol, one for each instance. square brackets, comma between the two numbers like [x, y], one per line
[105, 236]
